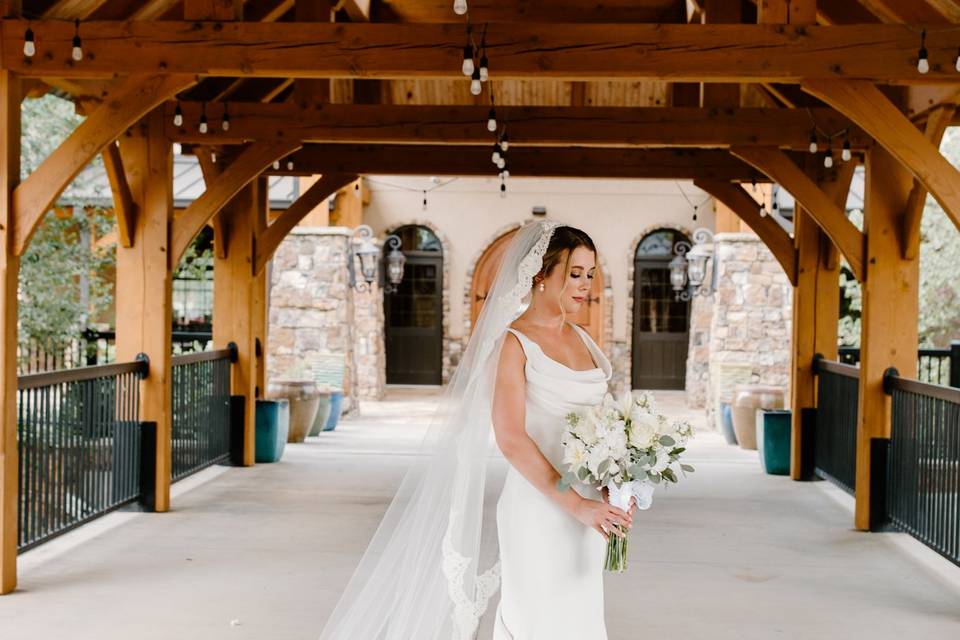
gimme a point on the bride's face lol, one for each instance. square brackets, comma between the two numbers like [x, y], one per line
[573, 287]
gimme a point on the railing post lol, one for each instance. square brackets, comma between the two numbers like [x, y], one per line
[148, 466]
[879, 471]
[955, 363]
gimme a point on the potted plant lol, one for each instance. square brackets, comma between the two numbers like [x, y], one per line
[323, 412]
[336, 409]
[301, 391]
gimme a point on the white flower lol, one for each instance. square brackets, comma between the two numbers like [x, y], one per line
[574, 453]
[663, 461]
[643, 429]
[586, 429]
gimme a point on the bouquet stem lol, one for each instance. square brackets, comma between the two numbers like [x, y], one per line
[616, 551]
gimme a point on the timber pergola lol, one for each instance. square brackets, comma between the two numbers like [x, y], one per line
[716, 92]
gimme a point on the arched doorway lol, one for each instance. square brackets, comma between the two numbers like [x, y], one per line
[413, 315]
[590, 316]
[661, 324]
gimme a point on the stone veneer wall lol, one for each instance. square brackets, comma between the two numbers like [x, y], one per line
[750, 329]
[313, 310]
[698, 351]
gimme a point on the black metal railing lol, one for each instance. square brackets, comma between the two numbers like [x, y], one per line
[934, 366]
[835, 430]
[922, 495]
[91, 348]
[201, 410]
[79, 447]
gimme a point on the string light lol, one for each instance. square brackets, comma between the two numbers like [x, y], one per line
[502, 162]
[475, 86]
[495, 156]
[424, 199]
[813, 140]
[225, 124]
[505, 173]
[178, 116]
[957, 64]
[503, 187]
[213, 157]
[460, 7]
[467, 67]
[29, 45]
[696, 207]
[77, 53]
[276, 165]
[828, 157]
[923, 65]
[845, 154]
[492, 120]
[484, 66]
[289, 164]
[504, 141]
[203, 119]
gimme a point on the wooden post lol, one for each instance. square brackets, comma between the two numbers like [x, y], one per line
[144, 296]
[235, 301]
[9, 271]
[890, 308]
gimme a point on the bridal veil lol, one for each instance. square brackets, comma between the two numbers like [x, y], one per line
[420, 576]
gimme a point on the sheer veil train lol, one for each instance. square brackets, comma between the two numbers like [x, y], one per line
[419, 578]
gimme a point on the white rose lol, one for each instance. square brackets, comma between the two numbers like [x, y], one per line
[643, 429]
[575, 454]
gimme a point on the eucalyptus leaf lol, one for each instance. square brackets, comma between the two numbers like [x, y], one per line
[667, 441]
[686, 467]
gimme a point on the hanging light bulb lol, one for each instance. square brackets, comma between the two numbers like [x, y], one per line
[763, 211]
[813, 140]
[502, 162]
[694, 212]
[484, 66]
[923, 65]
[495, 157]
[845, 154]
[178, 116]
[503, 188]
[957, 64]
[225, 123]
[29, 46]
[213, 157]
[289, 164]
[504, 141]
[505, 173]
[475, 86]
[77, 53]
[459, 7]
[492, 120]
[276, 165]
[828, 158]
[467, 67]
[424, 199]
[203, 128]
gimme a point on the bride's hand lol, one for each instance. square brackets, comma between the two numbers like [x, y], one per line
[601, 515]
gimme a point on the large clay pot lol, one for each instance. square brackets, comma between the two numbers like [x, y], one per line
[323, 413]
[336, 408]
[747, 399]
[304, 402]
[773, 440]
[726, 421]
[272, 426]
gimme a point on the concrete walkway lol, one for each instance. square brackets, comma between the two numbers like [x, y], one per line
[262, 553]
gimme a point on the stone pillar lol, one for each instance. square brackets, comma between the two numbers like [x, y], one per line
[313, 310]
[698, 351]
[750, 325]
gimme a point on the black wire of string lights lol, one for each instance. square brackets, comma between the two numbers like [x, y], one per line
[816, 134]
[695, 207]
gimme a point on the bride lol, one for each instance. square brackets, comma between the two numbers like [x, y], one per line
[422, 576]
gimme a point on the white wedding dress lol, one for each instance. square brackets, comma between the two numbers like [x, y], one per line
[551, 565]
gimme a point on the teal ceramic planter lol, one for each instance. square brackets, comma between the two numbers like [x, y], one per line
[336, 408]
[726, 423]
[272, 427]
[773, 440]
[323, 413]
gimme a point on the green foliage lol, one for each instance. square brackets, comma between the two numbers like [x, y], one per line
[62, 277]
[939, 320]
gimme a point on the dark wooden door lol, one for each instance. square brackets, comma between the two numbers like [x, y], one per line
[660, 329]
[413, 317]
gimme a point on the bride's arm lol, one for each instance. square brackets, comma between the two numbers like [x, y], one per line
[509, 418]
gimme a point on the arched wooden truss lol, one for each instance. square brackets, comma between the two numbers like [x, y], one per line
[716, 92]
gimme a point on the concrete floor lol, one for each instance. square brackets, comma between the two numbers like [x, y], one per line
[262, 553]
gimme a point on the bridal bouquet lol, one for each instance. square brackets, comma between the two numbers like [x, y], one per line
[626, 445]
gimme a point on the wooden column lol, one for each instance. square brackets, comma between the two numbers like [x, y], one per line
[9, 271]
[816, 307]
[235, 300]
[144, 306]
[890, 308]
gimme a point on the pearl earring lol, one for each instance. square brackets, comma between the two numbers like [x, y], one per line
[541, 286]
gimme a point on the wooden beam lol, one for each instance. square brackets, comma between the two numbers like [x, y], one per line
[241, 172]
[431, 160]
[144, 288]
[769, 230]
[268, 241]
[124, 207]
[9, 273]
[133, 98]
[889, 312]
[551, 126]
[213, 10]
[831, 218]
[936, 125]
[72, 9]
[883, 53]
[865, 104]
